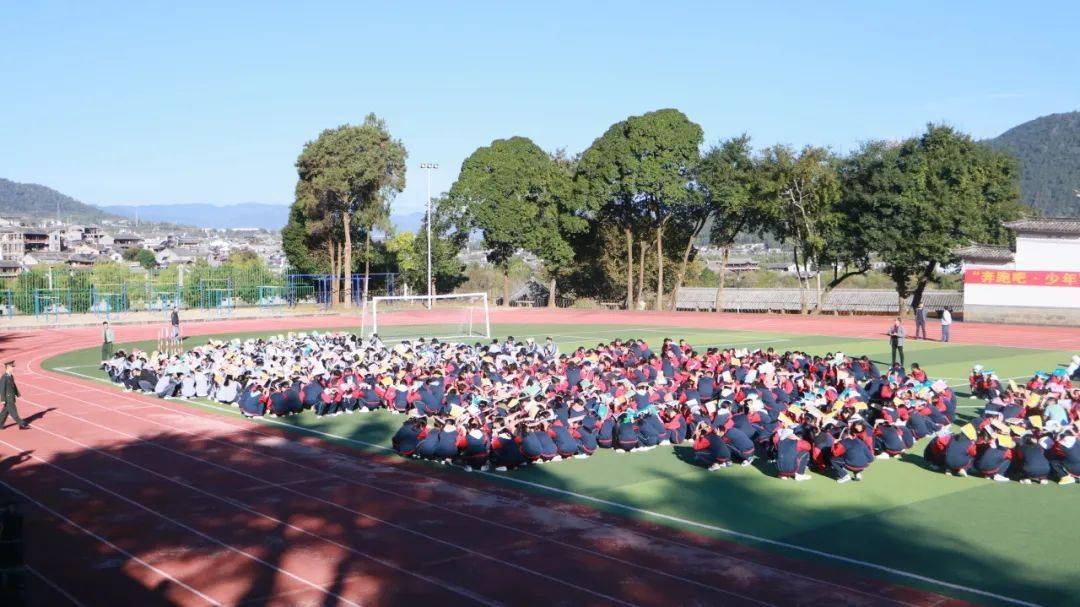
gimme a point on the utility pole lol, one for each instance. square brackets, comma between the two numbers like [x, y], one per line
[428, 167]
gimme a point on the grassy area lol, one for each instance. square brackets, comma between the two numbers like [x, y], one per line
[1004, 538]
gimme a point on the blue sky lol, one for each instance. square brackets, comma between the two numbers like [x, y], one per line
[187, 102]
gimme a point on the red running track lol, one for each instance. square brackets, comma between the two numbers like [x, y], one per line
[134, 500]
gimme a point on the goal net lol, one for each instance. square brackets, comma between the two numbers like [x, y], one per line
[454, 316]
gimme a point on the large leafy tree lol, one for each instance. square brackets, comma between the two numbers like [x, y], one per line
[449, 236]
[313, 238]
[302, 250]
[725, 178]
[518, 197]
[352, 172]
[800, 194]
[931, 193]
[640, 171]
[144, 257]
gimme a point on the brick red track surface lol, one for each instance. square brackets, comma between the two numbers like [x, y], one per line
[138, 501]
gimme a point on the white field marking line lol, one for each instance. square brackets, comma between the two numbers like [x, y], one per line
[262, 484]
[54, 586]
[233, 413]
[667, 517]
[461, 591]
[165, 517]
[674, 519]
[266, 484]
[286, 486]
[103, 540]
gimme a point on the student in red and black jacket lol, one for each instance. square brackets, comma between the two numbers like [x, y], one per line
[409, 436]
[935, 449]
[994, 459]
[710, 450]
[852, 453]
[506, 451]
[792, 455]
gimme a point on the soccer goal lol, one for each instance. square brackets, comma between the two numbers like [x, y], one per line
[7, 304]
[108, 300]
[454, 316]
[276, 297]
[217, 295]
[49, 304]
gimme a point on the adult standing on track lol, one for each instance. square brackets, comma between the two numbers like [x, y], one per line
[920, 322]
[896, 340]
[946, 324]
[174, 320]
[107, 339]
[8, 393]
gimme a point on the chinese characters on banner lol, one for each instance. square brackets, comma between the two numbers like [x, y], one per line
[1024, 278]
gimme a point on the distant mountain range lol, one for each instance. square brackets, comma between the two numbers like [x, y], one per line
[1048, 149]
[1049, 153]
[36, 202]
[243, 215]
[33, 201]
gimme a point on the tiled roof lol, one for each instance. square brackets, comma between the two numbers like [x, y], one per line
[1050, 225]
[985, 252]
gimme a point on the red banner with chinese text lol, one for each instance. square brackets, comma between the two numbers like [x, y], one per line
[1025, 278]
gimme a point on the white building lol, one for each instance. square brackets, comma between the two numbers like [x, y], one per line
[1039, 283]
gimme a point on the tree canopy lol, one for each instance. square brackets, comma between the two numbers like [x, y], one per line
[518, 197]
[352, 171]
[641, 171]
[645, 196]
[929, 194]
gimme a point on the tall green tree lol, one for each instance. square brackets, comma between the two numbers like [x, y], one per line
[145, 257]
[519, 198]
[302, 251]
[352, 171]
[312, 238]
[449, 237]
[641, 170]
[726, 177]
[929, 195]
[800, 192]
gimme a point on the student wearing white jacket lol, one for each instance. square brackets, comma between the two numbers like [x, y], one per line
[946, 324]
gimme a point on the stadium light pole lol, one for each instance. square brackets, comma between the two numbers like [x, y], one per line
[428, 167]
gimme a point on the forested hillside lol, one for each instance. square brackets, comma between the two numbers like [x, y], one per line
[33, 201]
[1049, 153]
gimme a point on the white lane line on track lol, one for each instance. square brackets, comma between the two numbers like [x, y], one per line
[650, 513]
[105, 541]
[462, 591]
[166, 517]
[266, 484]
[51, 584]
[658, 515]
[232, 426]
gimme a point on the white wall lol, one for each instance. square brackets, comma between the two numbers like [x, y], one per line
[1047, 253]
[1017, 295]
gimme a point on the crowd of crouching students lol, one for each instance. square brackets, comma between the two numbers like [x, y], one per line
[509, 403]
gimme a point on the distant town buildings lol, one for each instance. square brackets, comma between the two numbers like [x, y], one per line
[23, 245]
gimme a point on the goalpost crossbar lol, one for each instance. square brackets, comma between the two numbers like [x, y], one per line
[447, 316]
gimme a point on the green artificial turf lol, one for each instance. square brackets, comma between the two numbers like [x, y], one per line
[1013, 540]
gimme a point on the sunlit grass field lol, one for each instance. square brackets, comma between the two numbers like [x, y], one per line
[1016, 541]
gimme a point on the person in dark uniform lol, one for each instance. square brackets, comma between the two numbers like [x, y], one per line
[8, 393]
[107, 338]
[896, 340]
[174, 320]
[920, 322]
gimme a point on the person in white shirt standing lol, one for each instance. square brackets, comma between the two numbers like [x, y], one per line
[946, 324]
